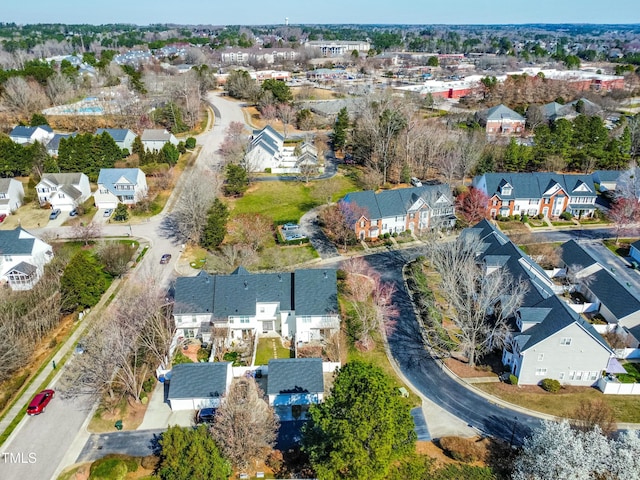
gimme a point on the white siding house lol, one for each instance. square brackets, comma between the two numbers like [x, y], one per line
[122, 136]
[199, 385]
[64, 191]
[154, 139]
[22, 258]
[26, 135]
[11, 195]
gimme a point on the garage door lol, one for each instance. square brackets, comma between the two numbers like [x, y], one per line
[108, 205]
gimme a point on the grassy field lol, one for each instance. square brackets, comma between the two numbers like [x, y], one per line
[563, 403]
[286, 201]
[265, 352]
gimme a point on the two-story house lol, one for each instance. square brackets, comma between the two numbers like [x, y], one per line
[28, 135]
[122, 136]
[395, 211]
[501, 120]
[11, 195]
[267, 151]
[293, 384]
[302, 304]
[64, 191]
[22, 258]
[53, 146]
[120, 185]
[550, 340]
[155, 139]
[546, 193]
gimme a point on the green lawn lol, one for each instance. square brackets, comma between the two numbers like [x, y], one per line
[265, 352]
[286, 201]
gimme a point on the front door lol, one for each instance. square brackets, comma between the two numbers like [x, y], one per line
[267, 326]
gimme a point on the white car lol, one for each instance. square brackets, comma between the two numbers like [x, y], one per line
[108, 212]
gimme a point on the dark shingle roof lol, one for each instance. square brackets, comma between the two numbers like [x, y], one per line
[500, 112]
[12, 244]
[534, 185]
[295, 375]
[315, 292]
[118, 134]
[198, 380]
[24, 267]
[54, 143]
[26, 132]
[194, 294]
[612, 294]
[573, 254]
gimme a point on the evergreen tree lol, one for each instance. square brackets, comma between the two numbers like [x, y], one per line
[121, 213]
[339, 137]
[191, 453]
[83, 282]
[361, 429]
[236, 180]
[169, 154]
[215, 229]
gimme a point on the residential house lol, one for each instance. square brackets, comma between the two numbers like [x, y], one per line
[64, 191]
[120, 185]
[415, 209]
[22, 258]
[634, 251]
[122, 136]
[293, 384]
[267, 151]
[154, 139]
[554, 110]
[11, 195]
[550, 340]
[28, 135]
[602, 289]
[501, 120]
[199, 385]
[54, 144]
[607, 180]
[546, 193]
[302, 304]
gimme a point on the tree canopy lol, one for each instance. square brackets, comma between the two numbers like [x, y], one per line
[215, 229]
[191, 453]
[362, 427]
[83, 282]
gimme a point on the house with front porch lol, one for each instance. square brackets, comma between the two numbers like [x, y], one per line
[549, 339]
[120, 185]
[414, 209]
[22, 258]
[540, 193]
[302, 304]
[64, 191]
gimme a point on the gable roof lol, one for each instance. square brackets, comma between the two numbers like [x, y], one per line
[16, 242]
[390, 203]
[5, 183]
[27, 132]
[536, 185]
[611, 293]
[59, 179]
[118, 134]
[295, 375]
[54, 143]
[108, 177]
[308, 292]
[268, 139]
[572, 253]
[554, 110]
[155, 135]
[500, 112]
[24, 268]
[198, 380]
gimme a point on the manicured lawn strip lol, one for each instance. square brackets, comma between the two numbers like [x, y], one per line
[625, 407]
[264, 352]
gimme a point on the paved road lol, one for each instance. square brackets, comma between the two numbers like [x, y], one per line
[139, 443]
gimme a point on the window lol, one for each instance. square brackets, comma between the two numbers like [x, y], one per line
[261, 309]
[579, 375]
[593, 375]
[561, 376]
[362, 223]
[495, 201]
[572, 375]
[540, 357]
[541, 371]
[566, 341]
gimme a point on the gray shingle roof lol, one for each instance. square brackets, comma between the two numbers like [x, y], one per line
[611, 293]
[198, 380]
[24, 267]
[194, 294]
[12, 244]
[500, 112]
[109, 176]
[534, 185]
[573, 254]
[5, 183]
[315, 292]
[27, 132]
[54, 143]
[389, 203]
[295, 375]
[155, 135]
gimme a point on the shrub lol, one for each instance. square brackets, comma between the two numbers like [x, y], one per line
[150, 462]
[513, 380]
[267, 170]
[190, 143]
[148, 384]
[566, 216]
[524, 219]
[394, 234]
[550, 385]
[461, 449]
[113, 467]
[203, 354]
[181, 358]
[540, 216]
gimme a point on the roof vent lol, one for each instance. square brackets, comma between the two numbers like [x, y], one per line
[325, 275]
[279, 278]
[246, 285]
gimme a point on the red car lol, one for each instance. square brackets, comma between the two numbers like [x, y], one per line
[2, 217]
[40, 402]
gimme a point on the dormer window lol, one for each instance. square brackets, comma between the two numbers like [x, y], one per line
[506, 190]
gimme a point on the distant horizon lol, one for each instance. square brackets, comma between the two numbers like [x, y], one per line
[330, 12]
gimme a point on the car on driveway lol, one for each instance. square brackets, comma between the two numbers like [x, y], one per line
[294, 236]
[290, 226]
[2, 217]
[108, 212]
[164, 259]
[40, 402]
[73, 213]
[54, 214]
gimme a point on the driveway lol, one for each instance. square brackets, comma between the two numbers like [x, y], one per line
[309, 225]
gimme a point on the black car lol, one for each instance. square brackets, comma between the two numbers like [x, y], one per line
[205, 415]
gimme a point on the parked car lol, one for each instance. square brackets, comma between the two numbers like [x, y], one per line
[165, 259]
[54, 214]
[40, 402]
[73, 213]
[290, 226]
[205, 415]
[108, 212]
[416, 182]
[2, 217]
[293, 236]
[79, 349]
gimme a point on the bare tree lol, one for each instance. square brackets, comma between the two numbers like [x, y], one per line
[595, 413]
[23, 96]
[252, 231]
[234, 146]
[269, 113]
[324, 190]
[286, 114]
[196, 196]
[245, 425]
[59, 89]
[339, 221]
[308, 170]
[86, 232]
[480, 303]
[624, 213]
[115, 256]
